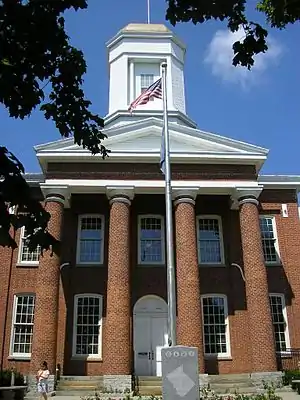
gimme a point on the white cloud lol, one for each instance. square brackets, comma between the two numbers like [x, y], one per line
[220, 54]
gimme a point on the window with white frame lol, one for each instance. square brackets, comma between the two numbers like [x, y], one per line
[215, 325]
[280, 323]
[269, 239]
[90, 243]
[151, 239]
[22, 325]
[25, 255]
[87, 340]
[210, 240]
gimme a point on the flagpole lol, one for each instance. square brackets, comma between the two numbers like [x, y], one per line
[169, 219]
[148, 11]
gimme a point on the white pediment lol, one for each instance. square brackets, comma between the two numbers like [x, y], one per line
[145, 137]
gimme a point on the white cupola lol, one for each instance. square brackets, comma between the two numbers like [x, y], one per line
[135, 56]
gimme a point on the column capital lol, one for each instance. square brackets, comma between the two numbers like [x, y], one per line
[242, 195]
[120, 194]
[56, 193]
[184, 196]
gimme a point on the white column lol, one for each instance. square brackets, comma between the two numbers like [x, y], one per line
[131, 81]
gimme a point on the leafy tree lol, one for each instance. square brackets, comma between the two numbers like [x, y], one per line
[34, 52]
[278, 13]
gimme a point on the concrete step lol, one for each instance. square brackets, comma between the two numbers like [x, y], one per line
[150, 391]
[230, 378]
[78, 387]
[79, 383]
[80, 378]
[149, 383]
[221, 389]
[230, 384]
[149, 378]
[76, 392]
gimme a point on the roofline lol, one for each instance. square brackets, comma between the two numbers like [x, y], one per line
[279, 182]
[145, 35]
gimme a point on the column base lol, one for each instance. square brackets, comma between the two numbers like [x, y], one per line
[117, 383]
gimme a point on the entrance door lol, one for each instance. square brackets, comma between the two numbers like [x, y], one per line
[150, 335]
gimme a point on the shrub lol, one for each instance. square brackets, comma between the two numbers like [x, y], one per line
[5, 378]
[288, 376]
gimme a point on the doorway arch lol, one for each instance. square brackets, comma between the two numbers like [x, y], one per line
[150, 334]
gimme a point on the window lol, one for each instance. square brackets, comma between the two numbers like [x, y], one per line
[151, 243]
[90, 239]
[215, 326]
[87, 325]
[279, 317]
[269, 239]
[210, 241]
[146, 81]
[22, 325]
[25, 256]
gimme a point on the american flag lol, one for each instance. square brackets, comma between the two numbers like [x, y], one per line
[154, 90]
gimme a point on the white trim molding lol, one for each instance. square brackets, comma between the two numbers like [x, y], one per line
[218, 355]
[285, 316]
[104, 186]
[90, 263]
[221, 242]
[97, 356]
[162, 243]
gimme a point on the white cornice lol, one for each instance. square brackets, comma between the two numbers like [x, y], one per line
[145, 116]
[144, 35]
[280, 181]
[89, 186]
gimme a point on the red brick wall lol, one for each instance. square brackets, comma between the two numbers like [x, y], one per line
[152, 280]
[22, 280]
[284, 278]
[107, 170]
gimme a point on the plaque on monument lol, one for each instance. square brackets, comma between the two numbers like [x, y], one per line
[180, 376]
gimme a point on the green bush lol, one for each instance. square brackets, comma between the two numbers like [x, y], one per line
[5, 378]
[288, 376]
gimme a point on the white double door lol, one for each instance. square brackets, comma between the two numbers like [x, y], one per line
[150, 336]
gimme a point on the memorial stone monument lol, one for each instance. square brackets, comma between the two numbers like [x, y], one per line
[180, 377]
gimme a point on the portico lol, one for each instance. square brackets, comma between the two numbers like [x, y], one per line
[134, 328]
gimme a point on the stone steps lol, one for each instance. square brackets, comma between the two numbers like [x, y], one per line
[220, 384]
[149, 385]
[79, 385]
[150, 391]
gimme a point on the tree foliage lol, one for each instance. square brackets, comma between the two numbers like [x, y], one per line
[35, 51]
[278, 14]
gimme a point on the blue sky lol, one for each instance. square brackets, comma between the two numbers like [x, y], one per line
[259, 107]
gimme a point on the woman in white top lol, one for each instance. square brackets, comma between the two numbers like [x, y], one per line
[42, 380]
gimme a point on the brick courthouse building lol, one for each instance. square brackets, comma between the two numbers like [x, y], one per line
[100, 309]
